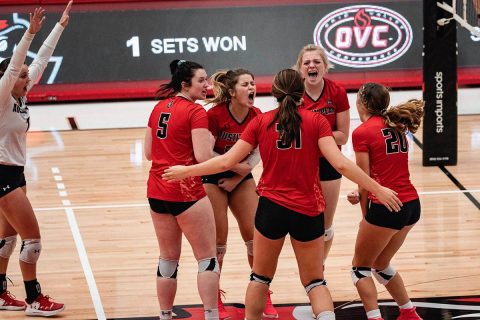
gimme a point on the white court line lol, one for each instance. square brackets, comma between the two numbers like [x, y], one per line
[82, 252]
[137, 205]
[87, 270]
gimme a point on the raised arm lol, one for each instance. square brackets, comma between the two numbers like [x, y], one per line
[10, 75]
[41, 60]
[217, 164]
[329, 149]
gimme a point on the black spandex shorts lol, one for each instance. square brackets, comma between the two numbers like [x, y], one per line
[213, 178]
[169, 207]
[379, 215]
[275, 222]
[327, 171]
[11, 178]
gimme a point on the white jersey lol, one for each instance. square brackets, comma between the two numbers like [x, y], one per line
[14, 116]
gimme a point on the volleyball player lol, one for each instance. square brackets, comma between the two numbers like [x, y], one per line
[381, 150]
[178, 133]
[234, 94]
[16, 213]
[326, 97]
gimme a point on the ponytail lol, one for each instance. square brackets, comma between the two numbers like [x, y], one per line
[288, 88]
[223, 81]
[406, 116]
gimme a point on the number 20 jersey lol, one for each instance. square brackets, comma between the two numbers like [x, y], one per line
[172, 121]
[388, 155]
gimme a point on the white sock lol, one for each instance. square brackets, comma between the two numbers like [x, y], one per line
[374, 314]
[165, 314]
[326, 315]
[408, 305]
[211, 314]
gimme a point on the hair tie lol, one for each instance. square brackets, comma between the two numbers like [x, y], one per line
[180, 62]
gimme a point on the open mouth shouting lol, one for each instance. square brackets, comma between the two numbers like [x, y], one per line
[251, 97]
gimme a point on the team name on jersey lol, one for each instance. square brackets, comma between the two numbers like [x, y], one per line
[23, 110]
[325, 111]
[227, 136]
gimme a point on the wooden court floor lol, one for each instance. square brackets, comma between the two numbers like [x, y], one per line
[100, 252]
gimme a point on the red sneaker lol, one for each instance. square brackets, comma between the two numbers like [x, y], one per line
[43, 306]
[408, 314]
[8, 302]
[269, 310]
[222, 312]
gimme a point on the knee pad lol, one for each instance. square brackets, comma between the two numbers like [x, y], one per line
[221, 250]
[249, 245]
[328, 234]
[315, 283]
[167, 268]
[7, 245]
[326, 315]
[360, 273]
[384, 276]
[208, 264]
[260, 279]
[30, 251]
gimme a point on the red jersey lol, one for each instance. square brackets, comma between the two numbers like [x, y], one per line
[290, 173]
[388, 154]
[332, 100]
[225, 128]
[172, 121]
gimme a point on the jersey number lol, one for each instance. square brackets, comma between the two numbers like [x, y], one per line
[395, 142]
[163, 125]
[283, 146]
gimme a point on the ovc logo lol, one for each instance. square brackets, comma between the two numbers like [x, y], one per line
[11, 31]
[363, 36]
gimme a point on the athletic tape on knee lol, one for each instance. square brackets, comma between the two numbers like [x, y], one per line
[30, 251]
[167, 268]
[7, 245]
[221, 250]
[360, 273]
[328, 234]
[261, 279]
[315, 283]
[249, 245]
[208, 264]
[384, 276]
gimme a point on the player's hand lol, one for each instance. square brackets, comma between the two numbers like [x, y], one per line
[389, 199]
[36, 20]
[353, 197]
[175, 173]
[242, 168]
[228, 184]
[66, 14]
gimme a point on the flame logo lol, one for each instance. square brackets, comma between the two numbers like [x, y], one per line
[362, 19]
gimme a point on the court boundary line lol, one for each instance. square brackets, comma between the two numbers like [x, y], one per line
[80, 246]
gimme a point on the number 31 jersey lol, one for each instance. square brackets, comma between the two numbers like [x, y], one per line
[172, 121]
[388, 155]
